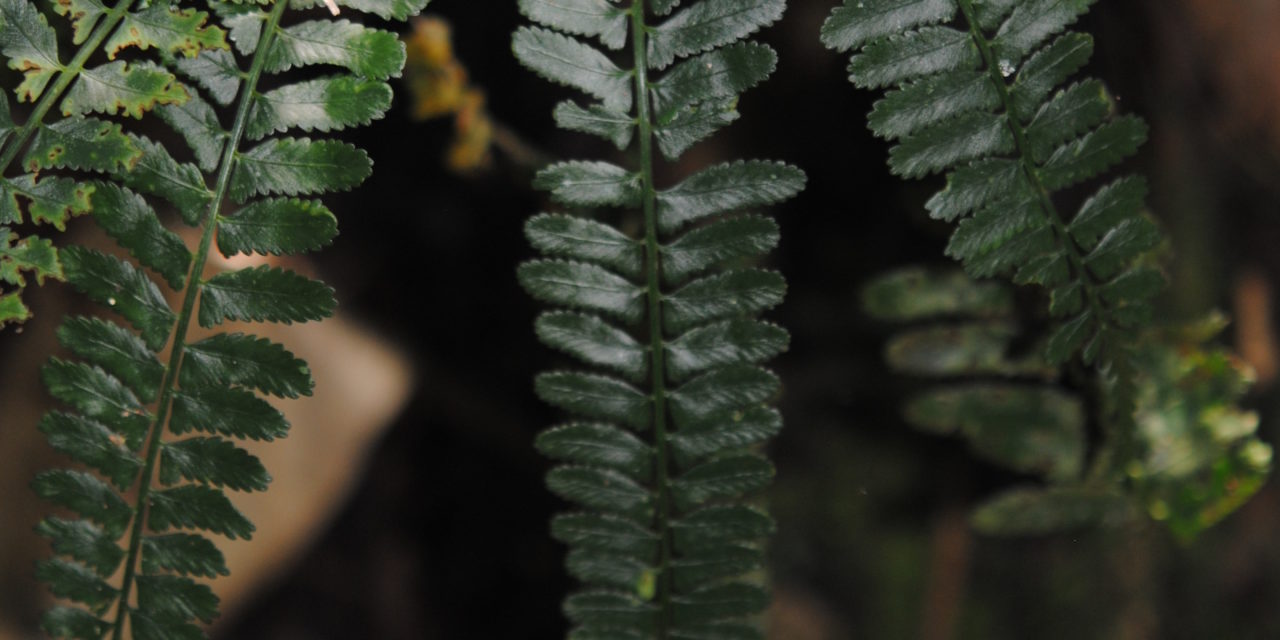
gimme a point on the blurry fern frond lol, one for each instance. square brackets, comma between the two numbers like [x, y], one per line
[978, 89]
[662, 456]
[1200, 456]
[159, 434]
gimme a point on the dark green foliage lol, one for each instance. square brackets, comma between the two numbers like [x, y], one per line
[664, 455]
[979, 90]
[1200, 456]
[59, 83]
[127, 407]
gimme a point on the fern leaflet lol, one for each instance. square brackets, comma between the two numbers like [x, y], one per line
[664, 450]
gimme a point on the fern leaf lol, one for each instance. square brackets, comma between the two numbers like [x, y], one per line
[31, 46]
[1046, 69]
[199, 507]
[132, 222]
[84, 144]
[583, 286]
[98, 395]
[723, 477]
[1033, 22]
[244, 23]
[212, 461]
[1095, 152]
[87, 496]
[118, 87]
[366, 52]
[264, 294]
[183, 553]
[167, 28]
[686, 127]
[735, 430]
[707, 25]
[726, 188]
[710, 527]
[11, 307]
[601, 489]
[599, 445]
[242, 360]
[147, 627]
[656, 457]
[721, 390]
[123, 288]
[51, 201]
[589, 184]
[325, 104]
[93, 444]
[216, 71]
[84, 16]
[1072, 112]
[934, 99]
[157, 173]
[69, 622]
[230, 412]
[84, 542]
[76, 582]
[718, 243]
[595, 396]
[385, 9]
[569, 62]
[198, 125]
[730, 342]
[30, 256]
[586, 240]
[717, 74]
[293, 166]
[853, 25]
[726, 295]
[614, 126]
[1029, 512]
[276, 227]
[176, 598]
[597, 18]
[593, 341]
[913, 54]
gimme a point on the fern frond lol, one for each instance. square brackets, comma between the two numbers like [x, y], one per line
[130, 418]
[1201, 458]
[117, 87]
[661, 455]
[978, 91]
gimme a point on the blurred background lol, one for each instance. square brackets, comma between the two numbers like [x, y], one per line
[442, 531]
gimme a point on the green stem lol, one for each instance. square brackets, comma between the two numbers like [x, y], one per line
[65, 77]
[247, 96]
[1118, 425]
[653, 268]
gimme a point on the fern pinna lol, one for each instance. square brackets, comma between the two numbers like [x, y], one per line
[665, 453]
[159, 490]
[973, 93]
[85, 84]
